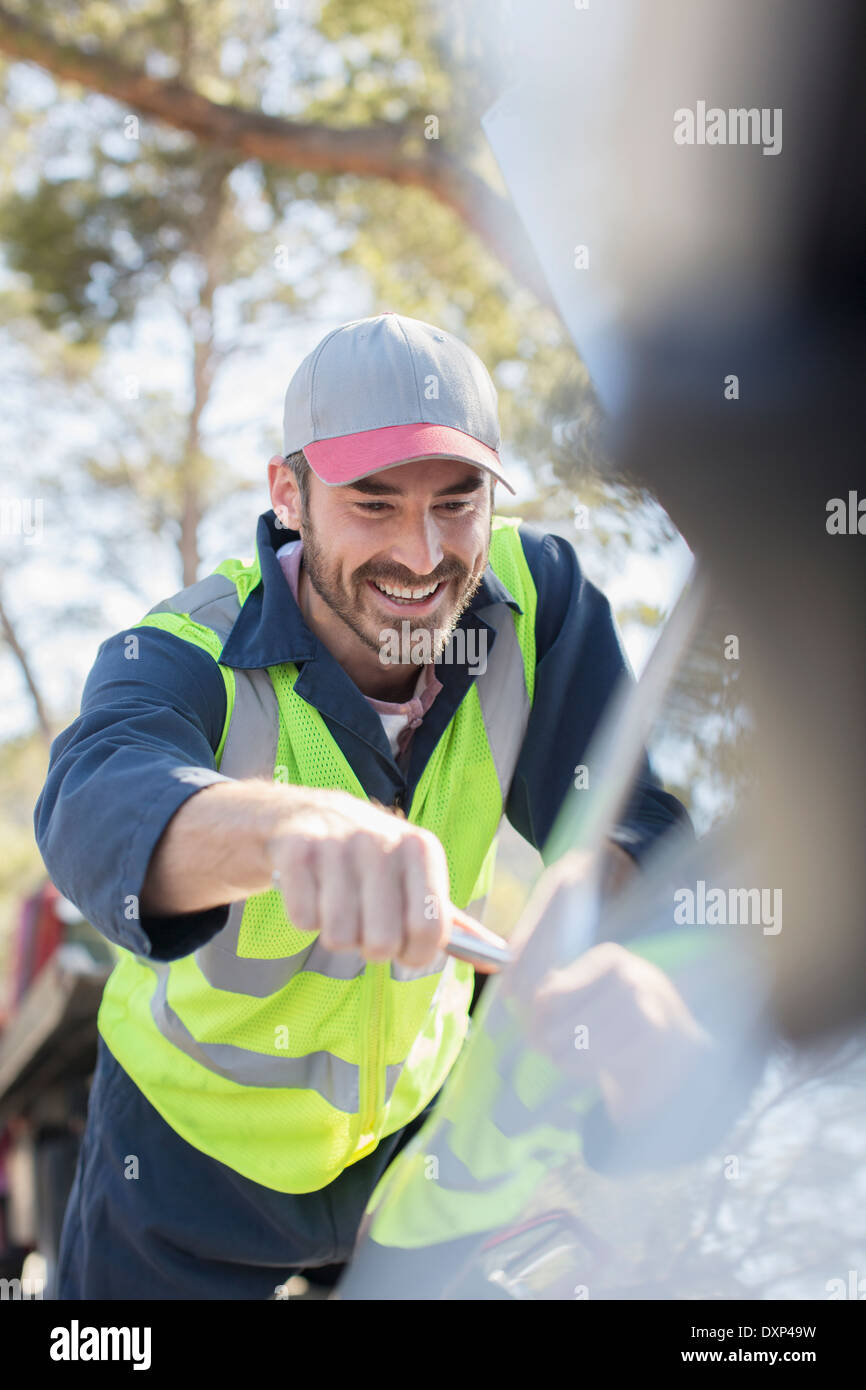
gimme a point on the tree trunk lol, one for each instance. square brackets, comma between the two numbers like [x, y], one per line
[45, 727]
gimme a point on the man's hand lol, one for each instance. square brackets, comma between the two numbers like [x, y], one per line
[362, 877]
[365, 879]
[617, 1020]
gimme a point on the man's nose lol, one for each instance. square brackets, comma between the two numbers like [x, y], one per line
[418, 547]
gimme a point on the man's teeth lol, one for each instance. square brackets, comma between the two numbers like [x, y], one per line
[393, 592]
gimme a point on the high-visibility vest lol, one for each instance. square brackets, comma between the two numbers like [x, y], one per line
[508, 1115]
[283, 1060]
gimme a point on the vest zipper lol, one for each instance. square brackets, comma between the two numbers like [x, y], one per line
[372, 1081]
[372, 1096]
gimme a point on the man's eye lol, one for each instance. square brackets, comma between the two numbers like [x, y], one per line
[378, 507]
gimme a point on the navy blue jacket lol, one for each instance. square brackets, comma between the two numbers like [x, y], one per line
[144, 742]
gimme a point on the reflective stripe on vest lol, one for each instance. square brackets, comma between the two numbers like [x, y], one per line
[223, 1006]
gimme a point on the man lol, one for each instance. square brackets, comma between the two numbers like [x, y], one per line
[283, 1012]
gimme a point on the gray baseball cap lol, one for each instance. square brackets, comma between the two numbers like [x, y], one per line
[382, 391]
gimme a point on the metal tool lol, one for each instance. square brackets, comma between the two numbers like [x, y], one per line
[485, 950]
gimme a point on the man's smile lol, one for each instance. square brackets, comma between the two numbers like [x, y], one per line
[408, 598]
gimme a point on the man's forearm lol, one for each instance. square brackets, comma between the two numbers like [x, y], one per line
[214, 849]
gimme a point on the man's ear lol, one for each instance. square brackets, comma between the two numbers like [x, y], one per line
[285, 495]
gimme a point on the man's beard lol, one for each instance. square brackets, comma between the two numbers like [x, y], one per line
[345, 604]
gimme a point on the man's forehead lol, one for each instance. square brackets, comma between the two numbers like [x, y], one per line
[420, 477]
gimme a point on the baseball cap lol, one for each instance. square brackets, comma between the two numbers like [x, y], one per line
[382, 391]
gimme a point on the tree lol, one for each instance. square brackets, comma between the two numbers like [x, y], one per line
[390, 149]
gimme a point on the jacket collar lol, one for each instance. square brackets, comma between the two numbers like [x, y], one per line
[270, 627]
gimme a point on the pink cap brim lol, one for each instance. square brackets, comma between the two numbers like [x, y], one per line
[348, 457]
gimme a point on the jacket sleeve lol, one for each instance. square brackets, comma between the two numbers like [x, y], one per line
[142, 744]
[579, 663]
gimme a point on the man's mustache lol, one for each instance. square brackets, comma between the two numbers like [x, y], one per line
[412, 581]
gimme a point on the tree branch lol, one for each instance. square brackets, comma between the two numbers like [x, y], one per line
[373, 151]
[18, 652]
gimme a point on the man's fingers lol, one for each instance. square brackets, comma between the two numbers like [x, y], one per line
[339, 908]
[299, 884]
[425, 900]
[381, 904]
[598, 971]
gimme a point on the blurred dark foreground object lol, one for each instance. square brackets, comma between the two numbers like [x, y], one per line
[722, 315]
